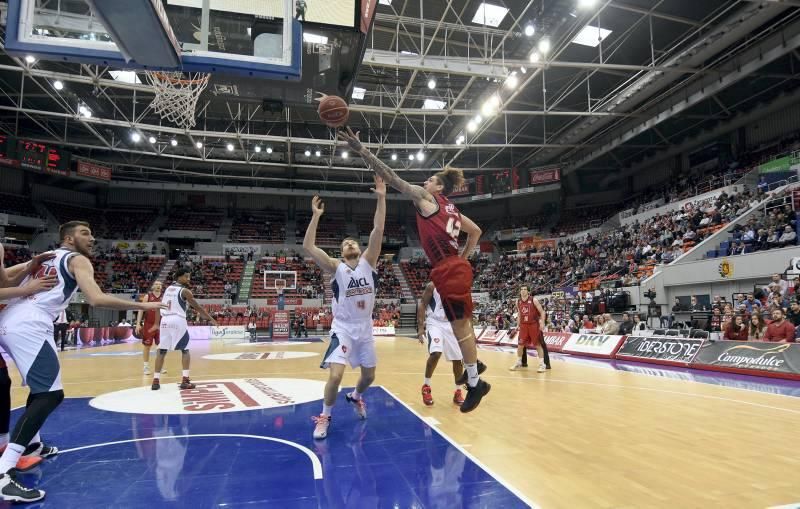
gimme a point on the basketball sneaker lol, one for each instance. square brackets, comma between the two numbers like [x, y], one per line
[40, 449]
[464, 376]
[156, 384]
[474, 396]
[358, 405]
[146, 370]
[427, 398]
[186, 384]
[458, 398]
[542, 368]
[517, 365]
[13, 491]
[321, 428]
[25, 463]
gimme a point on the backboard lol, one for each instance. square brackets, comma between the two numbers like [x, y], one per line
[258, 38]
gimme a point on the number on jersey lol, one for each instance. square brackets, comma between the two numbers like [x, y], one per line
[453, 227]
[361, 304]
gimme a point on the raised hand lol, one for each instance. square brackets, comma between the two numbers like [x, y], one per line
[350, 138]
[317, 206]
[380, 186]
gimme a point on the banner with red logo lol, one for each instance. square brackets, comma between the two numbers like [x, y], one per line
[286, 302]
[556, 340]
[537, 243]
[91, 170]
[280, 325]
[544, 176]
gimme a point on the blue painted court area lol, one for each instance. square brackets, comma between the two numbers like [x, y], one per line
[259, 458]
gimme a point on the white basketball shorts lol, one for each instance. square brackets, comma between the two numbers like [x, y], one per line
[441, 339]
[29, 342]
[174, 334]
[346, 350]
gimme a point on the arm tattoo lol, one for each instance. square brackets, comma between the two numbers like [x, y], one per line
[384, 171]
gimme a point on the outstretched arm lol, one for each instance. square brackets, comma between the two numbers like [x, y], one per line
[415, 193]
[189, 298]
[473, 232]
[376, 236]
[325, 262]
[13, 276]
[82, 268]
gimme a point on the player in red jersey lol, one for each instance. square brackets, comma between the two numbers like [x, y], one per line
[531, 327]
[439, 224]
[149, 329]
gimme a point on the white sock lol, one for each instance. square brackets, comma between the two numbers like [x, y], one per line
[355, 395]
[472, 374]
[146, 364]
[186, 373]
[326, 410]
[36, 438]
[427, 381]
[3, 439]
[156, 375]
[10, 457]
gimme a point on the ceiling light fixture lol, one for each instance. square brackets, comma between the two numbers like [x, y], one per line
[544, 46]
[431, 83]
[136, 137]
[58, 85]
[173, 142]
[529, 30]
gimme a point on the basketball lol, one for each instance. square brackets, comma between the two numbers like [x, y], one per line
[333, 111]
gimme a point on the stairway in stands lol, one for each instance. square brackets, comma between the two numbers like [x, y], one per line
[224, 230]
[326, 278]
[407, 293]
[165, 270]
[246, 283]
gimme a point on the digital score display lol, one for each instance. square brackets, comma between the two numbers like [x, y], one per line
[41, 157]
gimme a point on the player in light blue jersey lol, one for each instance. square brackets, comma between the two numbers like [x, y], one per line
[354, 285]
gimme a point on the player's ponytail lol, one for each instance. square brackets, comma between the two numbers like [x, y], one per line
[451, 178]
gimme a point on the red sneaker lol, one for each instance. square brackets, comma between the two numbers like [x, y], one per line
[186, 384]
[426, 395]
[458, 398]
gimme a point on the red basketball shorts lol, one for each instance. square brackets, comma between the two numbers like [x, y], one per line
[529, 335]
[452, 277]
[149, 337]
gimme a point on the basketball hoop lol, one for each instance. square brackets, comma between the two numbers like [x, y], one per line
[177, 94]
[280, 286]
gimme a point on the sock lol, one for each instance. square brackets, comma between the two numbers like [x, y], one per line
[326, 410]
[427, 381]
[355, 395]
[146, 364]
[472, 374]
[10, 457]
[186, 373]
[3, 439]
[156, 375]
[36, 438]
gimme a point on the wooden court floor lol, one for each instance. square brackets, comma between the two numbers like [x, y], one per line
[576, 436]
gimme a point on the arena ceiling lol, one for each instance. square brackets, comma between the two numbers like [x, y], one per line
[666, 75]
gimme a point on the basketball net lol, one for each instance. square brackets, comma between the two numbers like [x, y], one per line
[176, 95]
[280, 286]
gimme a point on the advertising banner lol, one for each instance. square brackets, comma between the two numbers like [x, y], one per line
[229, 332]
[91, 170]
[545, 176]
[593, 345]
[132, 245]
[280, 325]
[383, 331]
[556, 340]
[241, 249]
[288, 301]
[779, 360]
[88, 335]
[662, 350]
[536, 243]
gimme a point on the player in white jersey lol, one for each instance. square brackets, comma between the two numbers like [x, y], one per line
[26, 333]
[354, 289]
[433, 326]
[173, 327]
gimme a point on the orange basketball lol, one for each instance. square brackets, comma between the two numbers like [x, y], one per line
[333, 111]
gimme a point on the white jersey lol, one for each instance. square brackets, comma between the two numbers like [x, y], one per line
[435, 310]
[52, 302]
[176, 305]
[354, 293]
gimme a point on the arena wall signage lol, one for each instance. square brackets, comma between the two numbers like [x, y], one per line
[544, 176]
[242, 249]
[593, 345]
[229, 332]
[383, 331]
[94, 171]
[556, 340]
[669, 351]
[87, 335]
[777, 360]
[280, 325]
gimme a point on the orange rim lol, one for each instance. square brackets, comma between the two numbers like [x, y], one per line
[164, 77]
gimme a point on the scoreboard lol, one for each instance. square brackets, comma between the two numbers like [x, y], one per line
[32, 155]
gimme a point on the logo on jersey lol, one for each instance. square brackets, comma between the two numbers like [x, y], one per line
[358, 286]
[450, 208]
[212, 396]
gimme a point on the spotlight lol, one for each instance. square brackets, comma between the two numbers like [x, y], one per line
[394, 157]
[459, 140]
[420, 156]
[431, 83]
[269, 150]
[512, 81]
[58, 85]
[410, 157]
[258, 148]
[471, 126]
[136, 137]
[199, 144]
[229, 146]
[345, 154]
[529, 30]
[535, 57]
[586, 4]
[478, 119]
[173, 142]
[30, 59]
[151, 139]
[544, 46]
[318, 153]
[307, 153]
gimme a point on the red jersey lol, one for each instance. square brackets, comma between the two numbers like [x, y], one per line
[150, 316]
[528, 313]
[438, 233]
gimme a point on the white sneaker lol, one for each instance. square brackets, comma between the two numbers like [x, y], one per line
[146, 370]
[359, 405]
[515, 367]
[163, 371]
[542, 368]
[321, 429]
